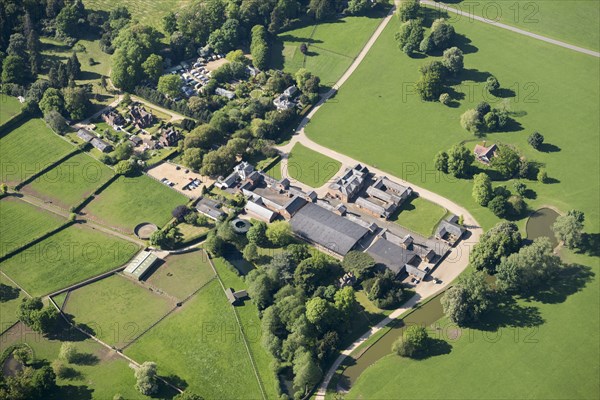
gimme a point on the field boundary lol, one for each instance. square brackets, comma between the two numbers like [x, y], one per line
[14, 122]
[35, 241]
[47, 168]
[237, 318]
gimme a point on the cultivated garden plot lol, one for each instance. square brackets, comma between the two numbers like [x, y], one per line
[201, 345]
[21, 222]
[28, 149]
[67, 257]
[182, 274]
[70, 182]
[128, 202]
[122, 309]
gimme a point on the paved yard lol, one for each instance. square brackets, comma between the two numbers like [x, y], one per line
[180, 178]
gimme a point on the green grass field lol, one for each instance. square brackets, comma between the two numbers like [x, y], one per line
[419, 215]
[190, 232]
[130, 201]
[182, 274]
[120, 310]
[9, 107]
[329, 53]
[378, 118]
[70, 182]
[10, 298]
[248, 314]
[512, 361]
[67, 257]
[20, 223]
[28, 149]
[309, 167]
[201, 344]
[575, 21]
[146, 11]
[105, 375]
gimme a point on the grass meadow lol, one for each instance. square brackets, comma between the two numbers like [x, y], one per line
[575, 21]
[182, 274]
[67, 257]
[329, 53]
[248, 314]
[10, 298]
[9, 107]
[200, 346]
[120, 311]
[21, 222]
[419, 215]
[310, 167]
[130, 201]
[515, 356]
[102, 374]
[149, 12]
[70, 182]
[378, 118]
[28, 149]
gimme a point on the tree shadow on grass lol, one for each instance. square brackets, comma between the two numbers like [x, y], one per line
[71, 392]
[465, 44]
[474, 75]
[571, 279]
[434, 347]
[66, 333]
[590, 244]
[8, 293]
[72, 374]
[506, 312]
[86, 359]
[549, 148]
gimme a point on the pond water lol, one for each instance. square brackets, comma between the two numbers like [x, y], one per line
[11, 366]
[426, 315]
[540, 224]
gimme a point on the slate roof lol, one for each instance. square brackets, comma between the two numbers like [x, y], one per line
[447, 227]
[392, 256]
[86, 136]
[259, 211]
[327, 229]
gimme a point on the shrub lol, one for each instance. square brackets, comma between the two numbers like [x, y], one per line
[445, 99]
[67, 352]
[535, 140]
[542, 176]
[412, 343]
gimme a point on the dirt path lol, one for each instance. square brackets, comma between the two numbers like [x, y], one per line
[470, 15]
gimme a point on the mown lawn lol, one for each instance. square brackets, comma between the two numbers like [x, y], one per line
[67, 257]
[575, 21]
[70, 182]
[104, 375]
[9, 107]
[201, 344]
[28, 149]
[378, 118]
[182, 274]
[21, 222]
[10, 298]
[120, 310]
[248, 314]
[419, 215]
[515, 357]
[329, 53]
[130, 201]
[309, 167]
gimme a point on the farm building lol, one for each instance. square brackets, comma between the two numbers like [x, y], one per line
[140, 264]
[327, 230]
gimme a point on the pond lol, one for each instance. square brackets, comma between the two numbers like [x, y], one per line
[426, 315]
[540, 224]
[11, 366]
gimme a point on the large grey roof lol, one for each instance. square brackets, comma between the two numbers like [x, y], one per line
[327, 229]
[392, 256]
